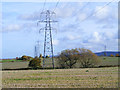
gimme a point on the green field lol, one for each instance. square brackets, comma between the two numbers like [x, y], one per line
[109, 61]
[11, 60]
[62, 78]
[105, 61]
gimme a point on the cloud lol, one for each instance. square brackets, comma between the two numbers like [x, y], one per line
[62, 12]
[12, 27]
[95, 38]
[99, 38]
[70, 37]
[106, 16]
[66, 12]
[34, 16]
[101, 14]
[107, 26]
[109, 35]
[82, 16]
[55, 42]
[73, 37]
[16, 27]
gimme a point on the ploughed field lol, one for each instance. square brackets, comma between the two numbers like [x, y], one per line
[62, 78]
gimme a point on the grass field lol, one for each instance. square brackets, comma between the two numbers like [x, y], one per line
[19, 64]
[11, 60]
[109, 61]
[14, 65]
[62, 78]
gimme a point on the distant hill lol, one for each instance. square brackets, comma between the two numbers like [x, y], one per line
[108, 53]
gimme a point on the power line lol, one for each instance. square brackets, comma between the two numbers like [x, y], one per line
[42, 9]
[56, 5]
[97, 11]
[84, 6]
[43, 6]
[37, 46]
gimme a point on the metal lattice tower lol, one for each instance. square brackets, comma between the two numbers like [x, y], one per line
[105, 50]
[48, 44]
[37, 49]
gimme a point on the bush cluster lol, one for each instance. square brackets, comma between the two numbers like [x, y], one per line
[117, 55]
[84, 57]
[24, 58]
[35, 63]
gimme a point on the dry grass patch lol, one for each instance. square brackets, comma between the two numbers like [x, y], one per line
[66, 78]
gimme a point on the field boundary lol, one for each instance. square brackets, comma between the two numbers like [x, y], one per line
[60, 88]
[60, 68]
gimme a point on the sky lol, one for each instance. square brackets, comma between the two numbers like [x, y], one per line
[90, 25]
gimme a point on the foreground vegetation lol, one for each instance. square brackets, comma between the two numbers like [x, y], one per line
[62, 78]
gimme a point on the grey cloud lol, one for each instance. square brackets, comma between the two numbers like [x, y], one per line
[34, 16]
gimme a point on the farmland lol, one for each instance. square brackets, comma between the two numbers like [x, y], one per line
[109, 61]
[65, 78]
[10, 60]
[60, 78]
[105, 61]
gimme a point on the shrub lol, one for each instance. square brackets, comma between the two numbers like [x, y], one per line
[35, 63]
[104, 58]
[117, 55]
[111, 55]
[25, 58]
[105, 54]
[47, 56]
[17, 58]
[83, 57]
[40, 56]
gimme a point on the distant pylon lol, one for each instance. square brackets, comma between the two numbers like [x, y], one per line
[48, 44]
[37, 49]
[105, 51]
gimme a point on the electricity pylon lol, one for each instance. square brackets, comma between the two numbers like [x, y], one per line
[37, 49]
[48, 44]
[105, 54]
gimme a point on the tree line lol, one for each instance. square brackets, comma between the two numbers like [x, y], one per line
[70, 58]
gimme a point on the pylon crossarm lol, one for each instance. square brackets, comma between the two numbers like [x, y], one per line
[47, 21]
